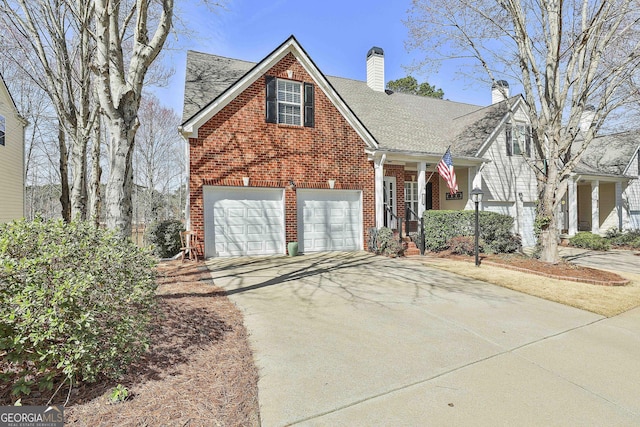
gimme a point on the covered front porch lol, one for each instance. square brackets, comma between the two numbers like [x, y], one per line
[406, 187]
[592, 203]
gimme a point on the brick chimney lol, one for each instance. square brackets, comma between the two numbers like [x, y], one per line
[499, 91]
[375, 69]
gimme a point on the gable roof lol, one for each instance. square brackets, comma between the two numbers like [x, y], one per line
[230, 71]
[609, 154]
[393, 121]
[13, 102]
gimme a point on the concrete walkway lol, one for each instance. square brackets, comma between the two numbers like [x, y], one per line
[613, 260]
[351, 339]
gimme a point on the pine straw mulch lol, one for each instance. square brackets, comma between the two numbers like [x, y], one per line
[562, 270]
[199, 370]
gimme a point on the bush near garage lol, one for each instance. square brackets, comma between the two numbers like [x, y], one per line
[75, 304]
[164, 237]
[383, 242]
[587, 240]
[495, 230]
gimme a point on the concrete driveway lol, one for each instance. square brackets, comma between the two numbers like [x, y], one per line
[351, 339]
[614, 260]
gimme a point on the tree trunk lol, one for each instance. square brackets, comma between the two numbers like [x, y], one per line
[118, 201]
[96, 175]
[65, 201]
[79, 184]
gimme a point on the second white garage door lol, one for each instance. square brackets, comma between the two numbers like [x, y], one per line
[329, 220]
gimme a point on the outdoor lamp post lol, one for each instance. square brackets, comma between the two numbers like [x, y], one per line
[476, 196]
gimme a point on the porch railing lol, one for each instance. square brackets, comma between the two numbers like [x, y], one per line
[398, 220]
[420, 243]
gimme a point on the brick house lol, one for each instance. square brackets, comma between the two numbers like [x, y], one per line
[279, 152]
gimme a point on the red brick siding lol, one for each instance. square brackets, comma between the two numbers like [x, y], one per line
[237, 142]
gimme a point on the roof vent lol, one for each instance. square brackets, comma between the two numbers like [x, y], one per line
[499, 91]
[375, 69]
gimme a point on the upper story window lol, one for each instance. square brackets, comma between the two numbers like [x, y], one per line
[289, 102]
[2, 129]
[518, 139]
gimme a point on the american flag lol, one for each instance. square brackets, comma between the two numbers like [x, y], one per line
[445, 169]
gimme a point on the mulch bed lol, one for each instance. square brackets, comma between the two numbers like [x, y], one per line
[199, 370]
[562, 270]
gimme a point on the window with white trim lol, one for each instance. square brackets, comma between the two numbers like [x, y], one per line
[289, 102]
[2, 129]
[411, 196]
[518, 139]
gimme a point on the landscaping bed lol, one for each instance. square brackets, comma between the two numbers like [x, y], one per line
[199, 370]
[562, 270]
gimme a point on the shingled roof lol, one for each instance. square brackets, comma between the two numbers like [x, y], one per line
[609, 154]
[397, 121]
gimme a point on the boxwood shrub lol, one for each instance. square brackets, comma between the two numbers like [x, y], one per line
[164, 237]
[75, 302]
[495, 230]
[587, 240]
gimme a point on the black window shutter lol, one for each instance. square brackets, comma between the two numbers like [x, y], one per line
[272, 99]
[429, 196]
[509, 138]
[309, 105]
[527, 139]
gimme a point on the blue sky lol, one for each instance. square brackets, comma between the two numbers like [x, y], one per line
[336, 34]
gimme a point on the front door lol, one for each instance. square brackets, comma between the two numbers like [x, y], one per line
[390, 202]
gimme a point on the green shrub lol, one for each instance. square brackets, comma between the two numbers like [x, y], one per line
[387, 243]
[587, 240]
[164, 237]
[629, 238]
[75, 302]
[495, 230]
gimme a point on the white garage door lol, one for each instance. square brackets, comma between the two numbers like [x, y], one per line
[243, 221]
[329, 220]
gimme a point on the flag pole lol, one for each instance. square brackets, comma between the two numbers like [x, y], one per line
[436, 168]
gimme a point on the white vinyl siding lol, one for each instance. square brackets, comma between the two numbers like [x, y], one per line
[11, 159]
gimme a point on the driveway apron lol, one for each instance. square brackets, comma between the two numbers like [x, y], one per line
[355, 339]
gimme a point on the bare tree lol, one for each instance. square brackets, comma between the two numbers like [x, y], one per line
[567, 55]
[55, 46]
[157, 158]
[120, 77]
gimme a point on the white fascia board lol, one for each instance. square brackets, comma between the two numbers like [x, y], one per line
[190, 128]
[432, 159]
[632, 160]
[491, 137]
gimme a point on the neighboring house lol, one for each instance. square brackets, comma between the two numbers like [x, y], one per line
[11, 157]
[279, 152]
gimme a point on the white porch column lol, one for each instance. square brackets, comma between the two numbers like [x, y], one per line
[379, 188]
[573, 206]
[422, 188]
[595, 207]
[619, 209]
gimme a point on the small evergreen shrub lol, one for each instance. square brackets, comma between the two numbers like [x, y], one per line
[164, 237]
[75, 302]
[388, 244]
[495, 230]
[587, 240]
[629, 238]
